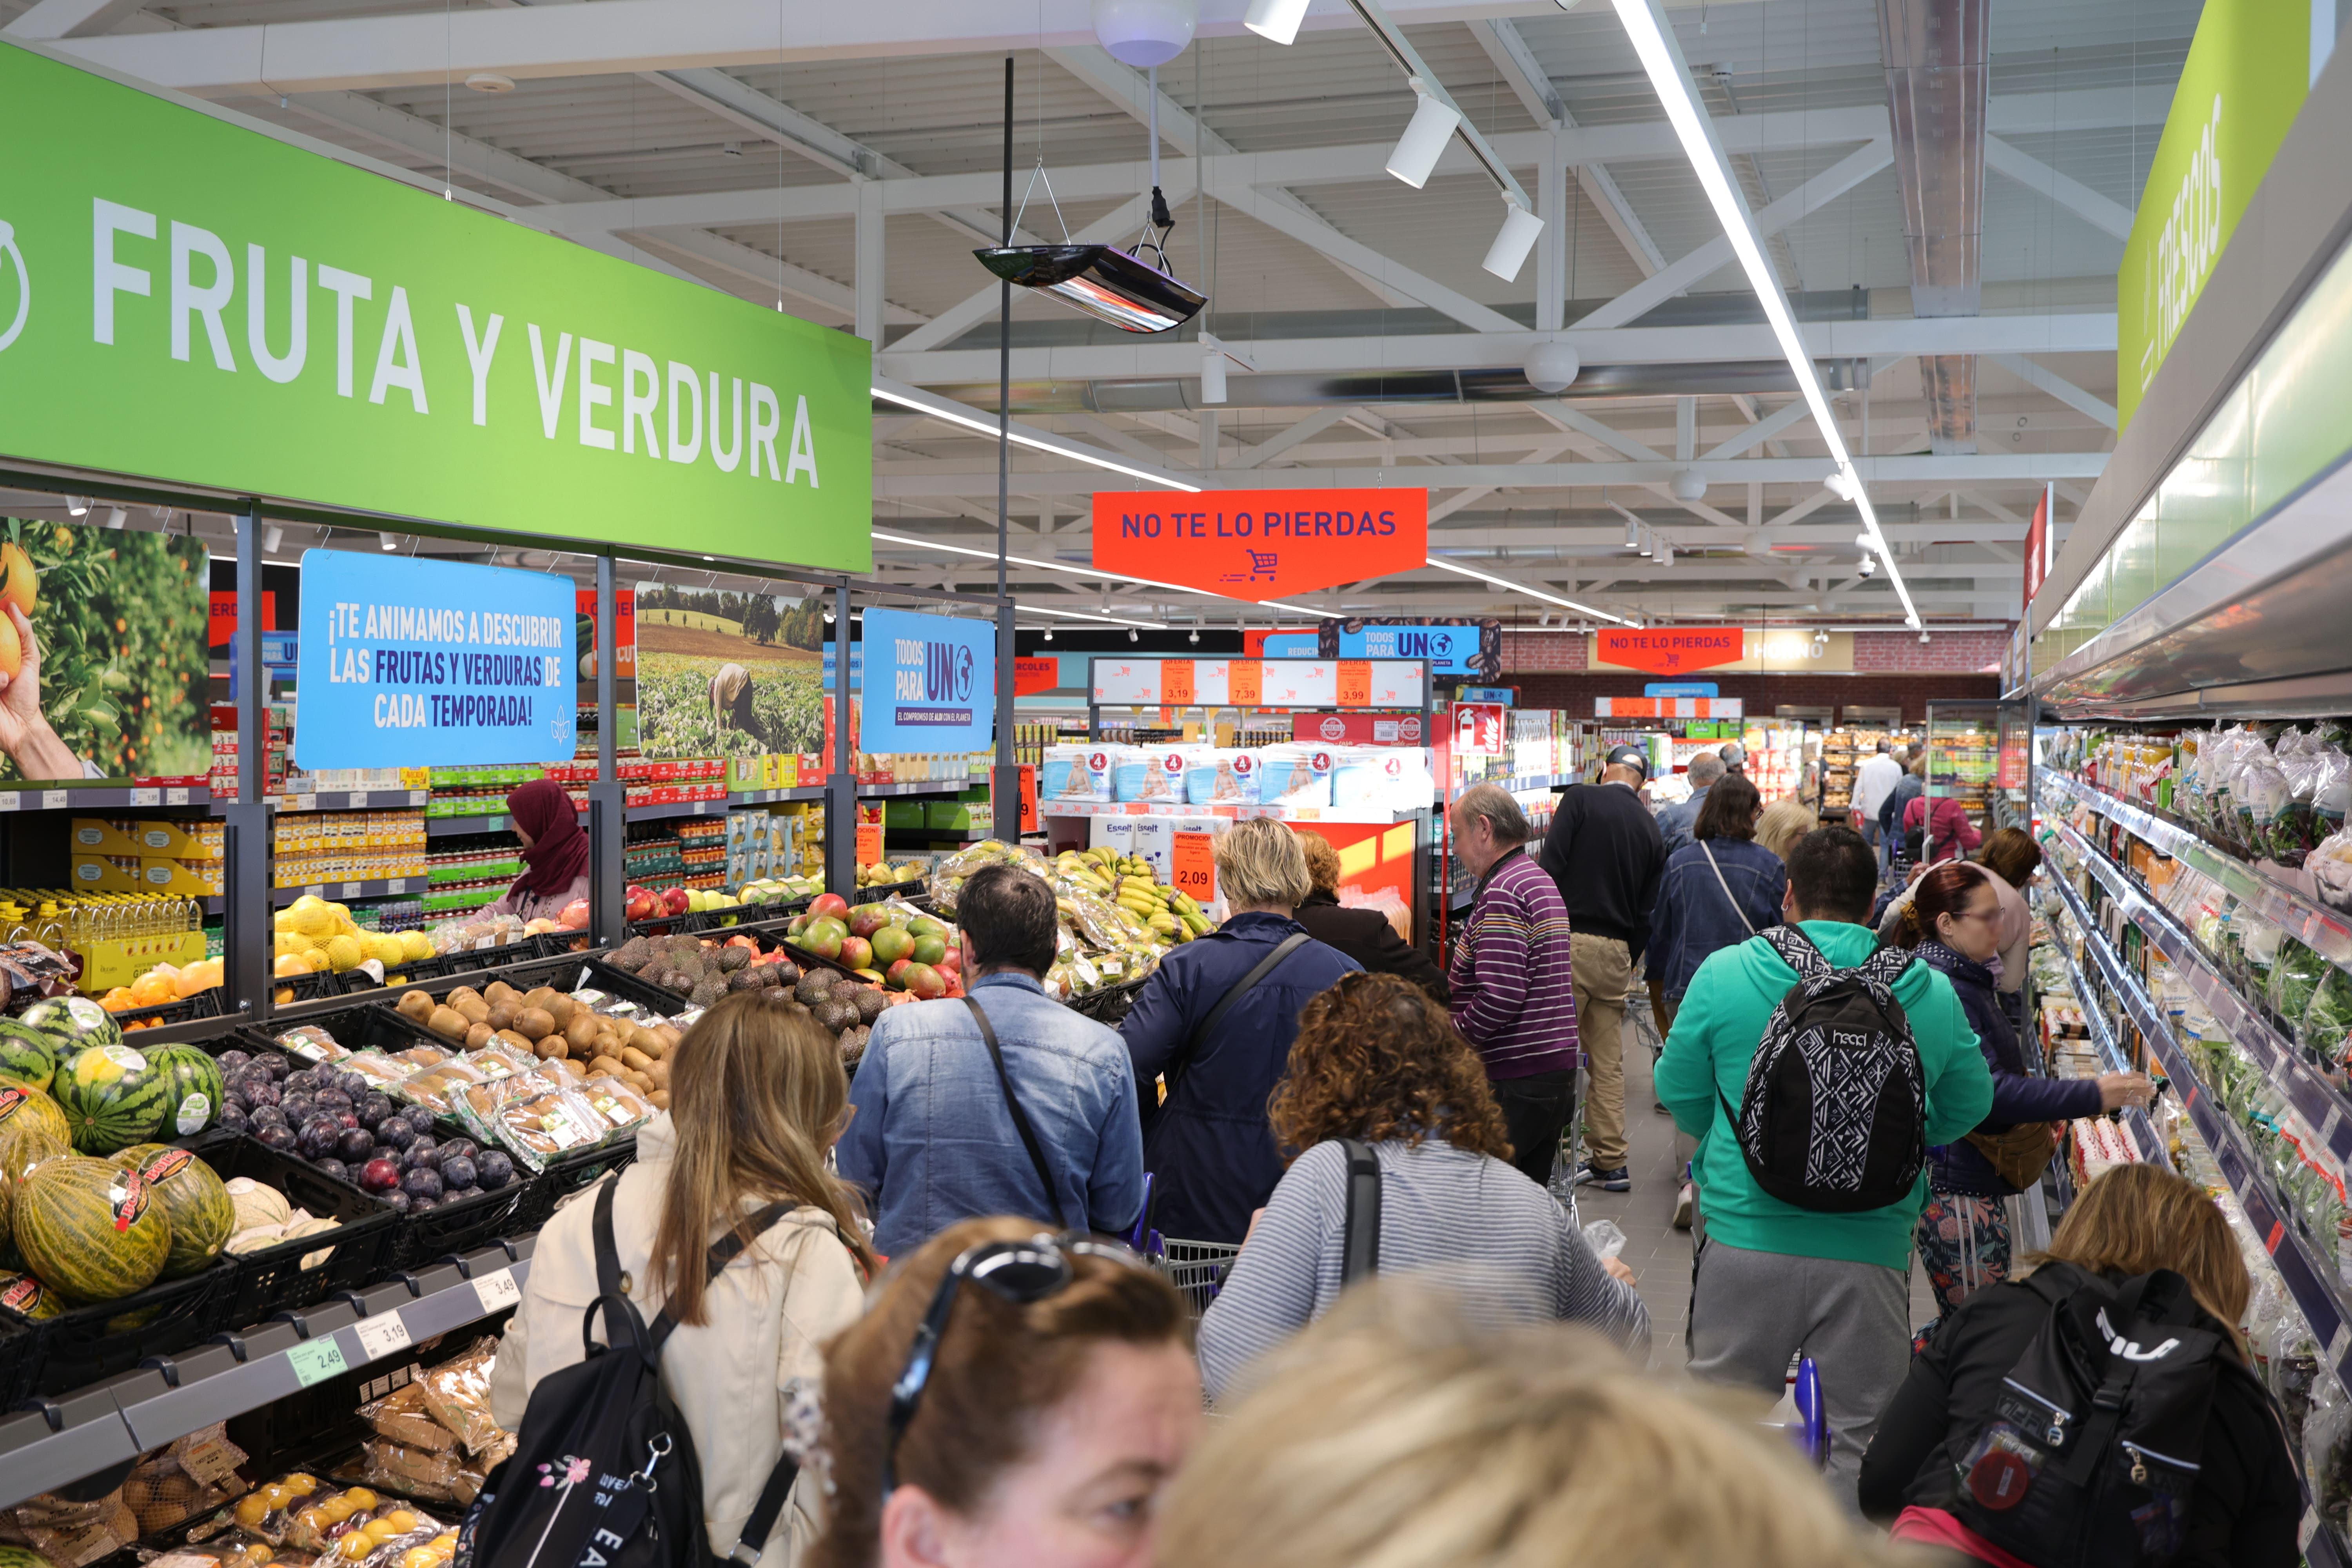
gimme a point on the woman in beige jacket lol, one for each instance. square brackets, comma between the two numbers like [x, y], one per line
[758, 1096]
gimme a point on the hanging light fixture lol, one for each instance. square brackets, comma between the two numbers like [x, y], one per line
[1275, 20]
[1101, 281]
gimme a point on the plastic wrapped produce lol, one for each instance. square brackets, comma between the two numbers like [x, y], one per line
[2327, 1452]
[457, 1394]
[2326, 1027]
[2293, 978]
[949, 874]
[194, 1475]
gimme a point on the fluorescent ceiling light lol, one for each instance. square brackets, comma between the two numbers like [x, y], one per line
[1662, 58]
[1523, 588]
[971, 419]
[1095, 571]
[1276, 20]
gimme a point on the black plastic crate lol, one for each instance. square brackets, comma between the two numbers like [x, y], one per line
[602, 976]
[565, 944]
[579, 1168]
[1111, 1004]
[687, 924]
[273, 1279]
[446, 1228]
[204, 1003]
[84, 1344]
[293, 990]
[376, 1024]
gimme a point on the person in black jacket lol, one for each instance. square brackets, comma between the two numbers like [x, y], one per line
[1606, 853]
[1953, 922]
[2131, 1221]
[1365, 935]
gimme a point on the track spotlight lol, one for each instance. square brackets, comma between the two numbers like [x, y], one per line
[1864, 542]
[1869, 564]
[1275, 20]
[1666, 556]
[1649, 543]
[391, 540]
[1509, 251]
[1923, 636]
[1838, 485]
[1195, 637]
[1049, 633]
[272, 537]
[1134, 636]
[76, 507]
[1423, 142]
[116, 517]
[1633, 534]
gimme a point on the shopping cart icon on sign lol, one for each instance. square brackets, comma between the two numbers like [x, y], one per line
[1262, 565]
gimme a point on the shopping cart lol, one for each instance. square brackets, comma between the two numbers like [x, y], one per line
[1800, 1413]
[1261, 565]
[1197, 1268]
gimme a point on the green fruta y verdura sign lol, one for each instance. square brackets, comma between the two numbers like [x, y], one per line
[184, 300]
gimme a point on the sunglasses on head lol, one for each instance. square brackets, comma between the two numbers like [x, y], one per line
[1019, 1272]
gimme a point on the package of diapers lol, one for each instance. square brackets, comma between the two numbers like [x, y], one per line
[1149, 773]
[1295, 775]
[1218, 775]
[1380, 779]
[1076, 773]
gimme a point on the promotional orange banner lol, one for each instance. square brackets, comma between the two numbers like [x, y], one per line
[1176, 681]
[1192, 866]
[869, 843]
[1031, 676]
[1668, 650]
[1261, 544]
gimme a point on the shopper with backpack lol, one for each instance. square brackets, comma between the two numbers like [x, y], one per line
[2170, 1450]
[716, 1264]
[1402, 1168]
[1721, 888]
[1811, 1196]
[1215, 1022]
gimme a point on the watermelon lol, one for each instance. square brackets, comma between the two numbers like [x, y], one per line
[28, 1297]
[112, 1097]
[193, 1092]
[70, 1024]
[21, 1557]
[32, 1129]
[91, 1232]
[194, 1198]
[27, 1055]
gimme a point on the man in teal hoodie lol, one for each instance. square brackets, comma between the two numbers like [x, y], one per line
[1774, 1278]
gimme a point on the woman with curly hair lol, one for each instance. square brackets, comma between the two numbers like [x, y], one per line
[1376, 1061]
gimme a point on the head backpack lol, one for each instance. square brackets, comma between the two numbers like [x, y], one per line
[2090, 1455]
[1834, 1117]
[603, 1473]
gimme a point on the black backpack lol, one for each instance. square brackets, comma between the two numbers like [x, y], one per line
[2090, 1455]
[1834, 1117]
[603, 1473]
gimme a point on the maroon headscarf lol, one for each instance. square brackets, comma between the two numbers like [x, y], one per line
[559, 850]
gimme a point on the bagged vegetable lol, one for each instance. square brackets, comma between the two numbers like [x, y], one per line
[2293, 980]
[2326, 1027]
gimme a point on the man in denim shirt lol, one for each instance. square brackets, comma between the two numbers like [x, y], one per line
[930, 1135]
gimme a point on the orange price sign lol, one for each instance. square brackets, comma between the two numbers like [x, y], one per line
[1244, 682]
[1193, 863]
[1028, 798]
[1176, 681]
[869, 843]
[1355, 683]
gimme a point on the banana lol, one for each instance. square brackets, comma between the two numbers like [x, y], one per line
[1195, 923]
[1184, 905]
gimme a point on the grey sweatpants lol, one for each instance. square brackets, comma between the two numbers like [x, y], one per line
[1751, 1311]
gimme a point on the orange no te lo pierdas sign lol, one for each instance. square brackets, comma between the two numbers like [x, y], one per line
[1261, 544]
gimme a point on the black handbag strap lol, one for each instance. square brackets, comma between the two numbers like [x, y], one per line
[1359, 1245]
[1175, 1070]
[1020, 1117]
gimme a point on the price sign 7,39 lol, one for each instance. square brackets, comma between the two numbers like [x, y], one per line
[1192, 866]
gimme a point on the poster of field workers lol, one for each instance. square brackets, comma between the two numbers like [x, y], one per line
[722, 674]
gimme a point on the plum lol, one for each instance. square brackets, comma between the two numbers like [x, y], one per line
[279, 1137]
[355, 1143]
[371, 1109]
[231, 1061]
[299, 1108]
[460, 1195]
[318, 1138]
[494, 1168]
[422, 1182]
[233, 1118]
[420, 1118]
[334, 1168]
[397, 1199]
[379, 1176]
[353, 1085]
[262, 1091]
[458, 1148]
[267, 1116]
[278, 1066]
[331, 1100]
[421, 1154]
[458, 1171]
[396, 1131]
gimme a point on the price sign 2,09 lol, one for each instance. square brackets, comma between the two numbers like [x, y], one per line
[1192, 866]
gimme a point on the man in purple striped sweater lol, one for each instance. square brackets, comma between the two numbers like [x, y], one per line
[1514, 996]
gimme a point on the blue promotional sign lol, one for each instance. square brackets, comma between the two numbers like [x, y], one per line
[1450, 649]
[1509, 695]
[929, 683]
[857, 664]
[410, 663]
[1681, 688]
[1292, 645]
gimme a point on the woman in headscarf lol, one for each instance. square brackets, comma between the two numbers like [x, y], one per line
[554, 852]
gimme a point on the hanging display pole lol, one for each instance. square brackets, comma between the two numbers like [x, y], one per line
[841, 777]
[607, 825]
[1004, 781]
[247, 930]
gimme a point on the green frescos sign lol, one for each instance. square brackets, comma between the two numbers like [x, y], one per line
[2247, 74]
[183, 300]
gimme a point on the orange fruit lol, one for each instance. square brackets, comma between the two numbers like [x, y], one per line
[118, 999]
[153, 989]
[19, 584]
[12, 648]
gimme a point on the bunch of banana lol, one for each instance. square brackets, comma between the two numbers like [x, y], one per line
[1090, 869]
[1171, 915]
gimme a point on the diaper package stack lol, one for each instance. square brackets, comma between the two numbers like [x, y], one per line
[1372, 780]
[1151, 774]
[1076, 773]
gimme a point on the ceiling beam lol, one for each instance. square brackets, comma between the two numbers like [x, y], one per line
[2059, 387]
[1532, 85]
[55, 19]
[2107, 215]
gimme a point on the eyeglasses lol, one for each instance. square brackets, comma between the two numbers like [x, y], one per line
[1019, 1272]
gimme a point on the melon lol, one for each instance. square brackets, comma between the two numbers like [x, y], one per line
[91, 1231]
[21, 1557]
[27, 1055]
[32, 1129]
[193, 1199]
[193, 1090]
[70, 1024]
[112, 1097]
[28, 1297]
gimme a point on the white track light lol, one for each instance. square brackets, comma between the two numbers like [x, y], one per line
[1049, 633]
[1923, 637]
[1134, 636]
[1213, 373]
[391, 540]
[116, 517]
[272, 537]
[1423, 142]
[1509, 251]
[1275, 20]
[1869, 564]
[76, 507]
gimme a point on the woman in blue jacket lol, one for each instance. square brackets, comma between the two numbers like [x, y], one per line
[1718, 889]
[1954, 923]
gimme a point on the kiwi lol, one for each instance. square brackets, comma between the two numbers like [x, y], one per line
[478, 1035]
[540, 996]
[658, 1100]
[601, 1066]
[561, 1008]
[476, 1010]
[448, 1023]
[551, 1048]
[499, 991]
[501, 1015]
[534, 1023]
[635, 1059]
[582, 1031]
[509, 1038]
[417, 1005]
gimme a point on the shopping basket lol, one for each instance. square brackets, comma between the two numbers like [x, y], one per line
[1197, 1268]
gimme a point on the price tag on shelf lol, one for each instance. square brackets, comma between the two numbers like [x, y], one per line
[869, 843]
[53, 799]
[1244, 682]
[304, 802]
[10, 800]
[496, 1290]
[1176, 682]
[382, 1334]
[1355, 683]
[177, 796]
[1192, 864]
[315, 1361]
[398, 885]
[146, 798]
[350, 889]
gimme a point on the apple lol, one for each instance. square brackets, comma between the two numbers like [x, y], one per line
[857, 952]
[675, 901]
[925, 983]
[890, 945]
[828, 904]
[928, 951]
[574, 916]
[896, 976]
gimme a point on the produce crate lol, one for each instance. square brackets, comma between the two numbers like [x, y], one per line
[83, 1344]
[320, 986]
[687, 924]
[204, 1003]
[357, 1027]
[420, 1238]
[602, 976]
[273, 1279]
[575, 1171]
[1109, 1004]
[560, 943]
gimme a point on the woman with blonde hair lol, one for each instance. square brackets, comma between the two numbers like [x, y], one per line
[2244, 1498]
[1784, 822]
[1009, 1398]
[756, 1098]
[1215, 1021]
[1397, 1433]
[1378, 1065]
